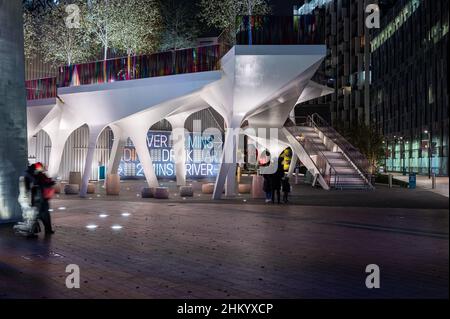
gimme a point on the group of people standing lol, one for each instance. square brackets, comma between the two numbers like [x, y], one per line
[276, 183]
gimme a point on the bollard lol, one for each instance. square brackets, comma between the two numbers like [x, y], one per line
[433, 181]
[390, 180]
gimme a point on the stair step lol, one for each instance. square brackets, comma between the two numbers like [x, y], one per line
[347, 177]
[352, 187]
[348, 180]
[345, 170]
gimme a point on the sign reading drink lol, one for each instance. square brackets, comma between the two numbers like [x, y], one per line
[203, 155]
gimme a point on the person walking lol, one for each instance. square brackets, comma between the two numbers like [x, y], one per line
[42, 191]
[276, 181]
[267, 188]
[286, 188]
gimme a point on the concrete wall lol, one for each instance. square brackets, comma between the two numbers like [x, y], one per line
[13, 132]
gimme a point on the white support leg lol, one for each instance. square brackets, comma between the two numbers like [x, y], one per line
[292, 165]
[230, 186]
[220, 180]
[304, 157]
[140, 143]
[227, 173]
[179, 147]
[56, 153]
[116, 152]
[93, 136]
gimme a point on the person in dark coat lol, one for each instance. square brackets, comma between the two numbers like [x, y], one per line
[267, 188]
[41, 186]
[30, 182]
[286, 189]
[276, 181]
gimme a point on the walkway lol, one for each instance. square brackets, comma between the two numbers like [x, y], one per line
[442, 186]
[200, 249]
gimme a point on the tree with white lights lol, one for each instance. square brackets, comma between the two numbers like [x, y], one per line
[59, 43]
[98, 22]
[222, 14]
[180, 28]
[30, 34]
[136, 27]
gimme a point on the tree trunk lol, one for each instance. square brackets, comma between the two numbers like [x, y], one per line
[105, 57]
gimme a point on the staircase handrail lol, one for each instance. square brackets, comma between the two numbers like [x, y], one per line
[355, 156]
[322, 161]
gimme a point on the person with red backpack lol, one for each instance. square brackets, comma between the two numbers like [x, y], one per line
[41, 187]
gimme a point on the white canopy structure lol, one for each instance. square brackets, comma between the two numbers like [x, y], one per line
[259, 85]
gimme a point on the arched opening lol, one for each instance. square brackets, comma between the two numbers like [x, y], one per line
[204, 144]
[160, 148]
[39, 148]
[75, 152]
[204, 119]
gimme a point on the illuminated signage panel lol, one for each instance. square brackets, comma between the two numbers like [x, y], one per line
[203, 156]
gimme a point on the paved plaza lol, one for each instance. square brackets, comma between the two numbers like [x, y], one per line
[316, 247]
[424, 182]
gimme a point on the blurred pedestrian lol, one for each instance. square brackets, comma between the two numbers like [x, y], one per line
[286, 188]
[276, 181]
[267, 188]
[42, 191]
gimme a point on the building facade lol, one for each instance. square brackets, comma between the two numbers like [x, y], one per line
[346, 68]
[410, 86]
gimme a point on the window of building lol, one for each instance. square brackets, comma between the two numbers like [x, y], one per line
[430, 94]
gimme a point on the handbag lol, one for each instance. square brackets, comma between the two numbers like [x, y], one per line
[48, 193]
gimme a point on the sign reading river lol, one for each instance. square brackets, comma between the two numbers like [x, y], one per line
[203, 156]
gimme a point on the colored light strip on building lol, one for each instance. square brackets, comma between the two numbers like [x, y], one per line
[396, 23]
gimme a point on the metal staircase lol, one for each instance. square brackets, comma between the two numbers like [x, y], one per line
[339, 163]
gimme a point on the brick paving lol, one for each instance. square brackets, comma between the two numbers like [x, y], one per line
[302, 194]
[194, 249]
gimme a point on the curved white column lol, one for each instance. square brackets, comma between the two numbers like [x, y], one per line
[59, 125]
[140, 143]
[226, 178]
[292, 165]
[223, 170]
[116, 151]
[94, 133]
[179, 145]
[304, 157]
[56, 151]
